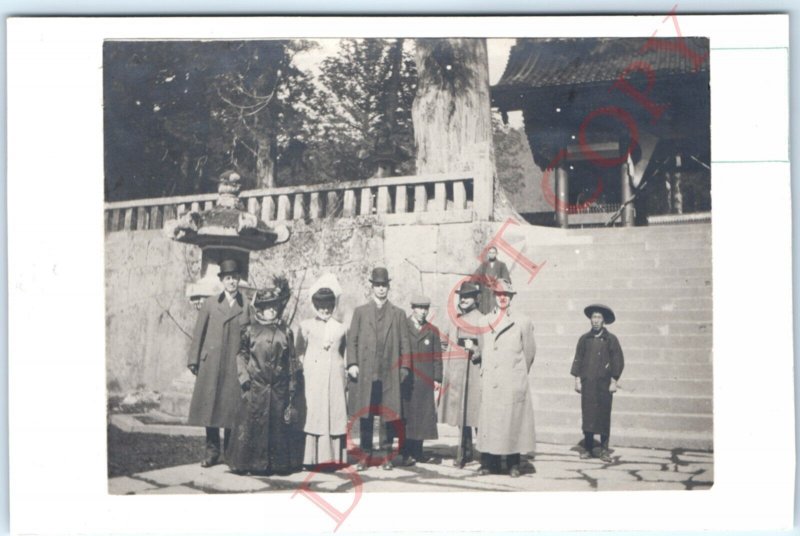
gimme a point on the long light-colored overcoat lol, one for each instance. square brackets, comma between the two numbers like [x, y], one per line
[462, 374]
[362, 350]
[320, 346]
[506, 423]
[215, 344]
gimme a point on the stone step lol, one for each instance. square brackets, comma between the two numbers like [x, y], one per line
[620, 253]
[550, 365]
[626, 420]
[582, 293]
[609, 282]
[566, 347]
[695, 242]
[575, 316]
[621, 437]
[645, 306]
[702, 341]
[666, 387]
[633, 261]
[618, 272]
[630, 326]
[644, 403]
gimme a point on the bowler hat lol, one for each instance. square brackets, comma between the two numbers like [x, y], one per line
[379, 275]
[605, 310]
[418, 300]
[467, 288]
[228, 266]
[503, 286]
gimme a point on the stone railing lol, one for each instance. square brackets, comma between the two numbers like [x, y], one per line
[428, 199]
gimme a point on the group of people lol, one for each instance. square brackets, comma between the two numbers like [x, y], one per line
[287, 401]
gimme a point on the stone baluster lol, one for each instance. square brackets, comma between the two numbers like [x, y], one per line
[420, 198]
[384, 202]
[128, 224]
[349, 205]
[366, 202]
[400, 199]
[314, 206]
[299, 211]
[208, 205]
[115, 215]
[440, 197]
[332, 204]
[180, 210]
[267, 208]
[252, 205]
[195, 206]
[155, 217]
[459, 195]
[142, 219]
[284, 208]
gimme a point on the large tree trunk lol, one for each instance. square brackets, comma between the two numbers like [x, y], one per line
[452, 114]
[265, 160]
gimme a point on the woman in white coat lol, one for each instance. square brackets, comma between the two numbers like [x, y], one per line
[321, 345]
[505, 420]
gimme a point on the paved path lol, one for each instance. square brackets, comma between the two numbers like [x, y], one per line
[554, 468]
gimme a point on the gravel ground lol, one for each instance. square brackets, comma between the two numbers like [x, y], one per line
[133, 453]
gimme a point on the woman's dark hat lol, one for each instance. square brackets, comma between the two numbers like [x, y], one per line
[605, 310]
[228, 266]
[379, 275]
[468, 288]
[270, 295]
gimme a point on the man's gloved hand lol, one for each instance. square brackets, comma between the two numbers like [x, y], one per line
[352, 370]
[613, 387]
[577, 385]
[193, 369]
[246, 386]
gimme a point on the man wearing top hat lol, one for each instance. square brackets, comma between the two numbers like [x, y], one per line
[597, 367]
[420, 388]
[378, 362]
[461, 393]
[212, 358]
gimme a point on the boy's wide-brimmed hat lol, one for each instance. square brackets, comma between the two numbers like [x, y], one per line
[605, 310]
[228, 266]
[379, 275]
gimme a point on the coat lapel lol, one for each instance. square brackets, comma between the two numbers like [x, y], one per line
[390, 319]
[227, 311]
[504, 325]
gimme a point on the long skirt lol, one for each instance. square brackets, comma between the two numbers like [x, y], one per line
[324, 449]
[262, 442]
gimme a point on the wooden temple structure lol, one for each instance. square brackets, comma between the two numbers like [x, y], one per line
[620, 127]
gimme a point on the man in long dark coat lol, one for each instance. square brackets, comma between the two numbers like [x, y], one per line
[212, 358]
[597, 367]
[419, 404]
[461, 393]
[377, 363]
[488, 273]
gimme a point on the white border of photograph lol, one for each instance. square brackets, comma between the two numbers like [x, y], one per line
[57, 421]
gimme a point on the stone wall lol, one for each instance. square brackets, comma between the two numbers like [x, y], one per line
[149, 320]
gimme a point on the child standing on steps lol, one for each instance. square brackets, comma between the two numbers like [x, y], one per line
[597, 367]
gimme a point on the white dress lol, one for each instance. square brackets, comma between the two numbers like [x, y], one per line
[320, 346]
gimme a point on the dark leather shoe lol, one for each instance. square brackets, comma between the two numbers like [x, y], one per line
[209, 462]
[586, 455]
[483, 471]
[387, 466]
[408, 461]
[362, 465]
[514, 472]
[605, 455]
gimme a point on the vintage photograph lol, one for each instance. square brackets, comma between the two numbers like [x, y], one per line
[408, 265]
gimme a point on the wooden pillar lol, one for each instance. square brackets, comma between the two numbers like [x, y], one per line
[562, 195]
[627, 192]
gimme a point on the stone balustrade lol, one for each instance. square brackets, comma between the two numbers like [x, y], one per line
[428, 199]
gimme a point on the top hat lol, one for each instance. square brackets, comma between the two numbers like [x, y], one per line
[418, 300]
[605, 310]
[467, 288]
[228, 266]
[379, 275]
[503, 286]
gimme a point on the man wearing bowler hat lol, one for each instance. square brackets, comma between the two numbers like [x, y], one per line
[212, 358]
[378, 361]
[597, 367]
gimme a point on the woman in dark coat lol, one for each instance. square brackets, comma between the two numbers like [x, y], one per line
[597, 367]
[419, 389]
[268, 434]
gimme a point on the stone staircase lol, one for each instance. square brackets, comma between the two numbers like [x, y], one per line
[658, 281]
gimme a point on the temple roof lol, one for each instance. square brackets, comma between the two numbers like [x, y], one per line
[542, 63]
